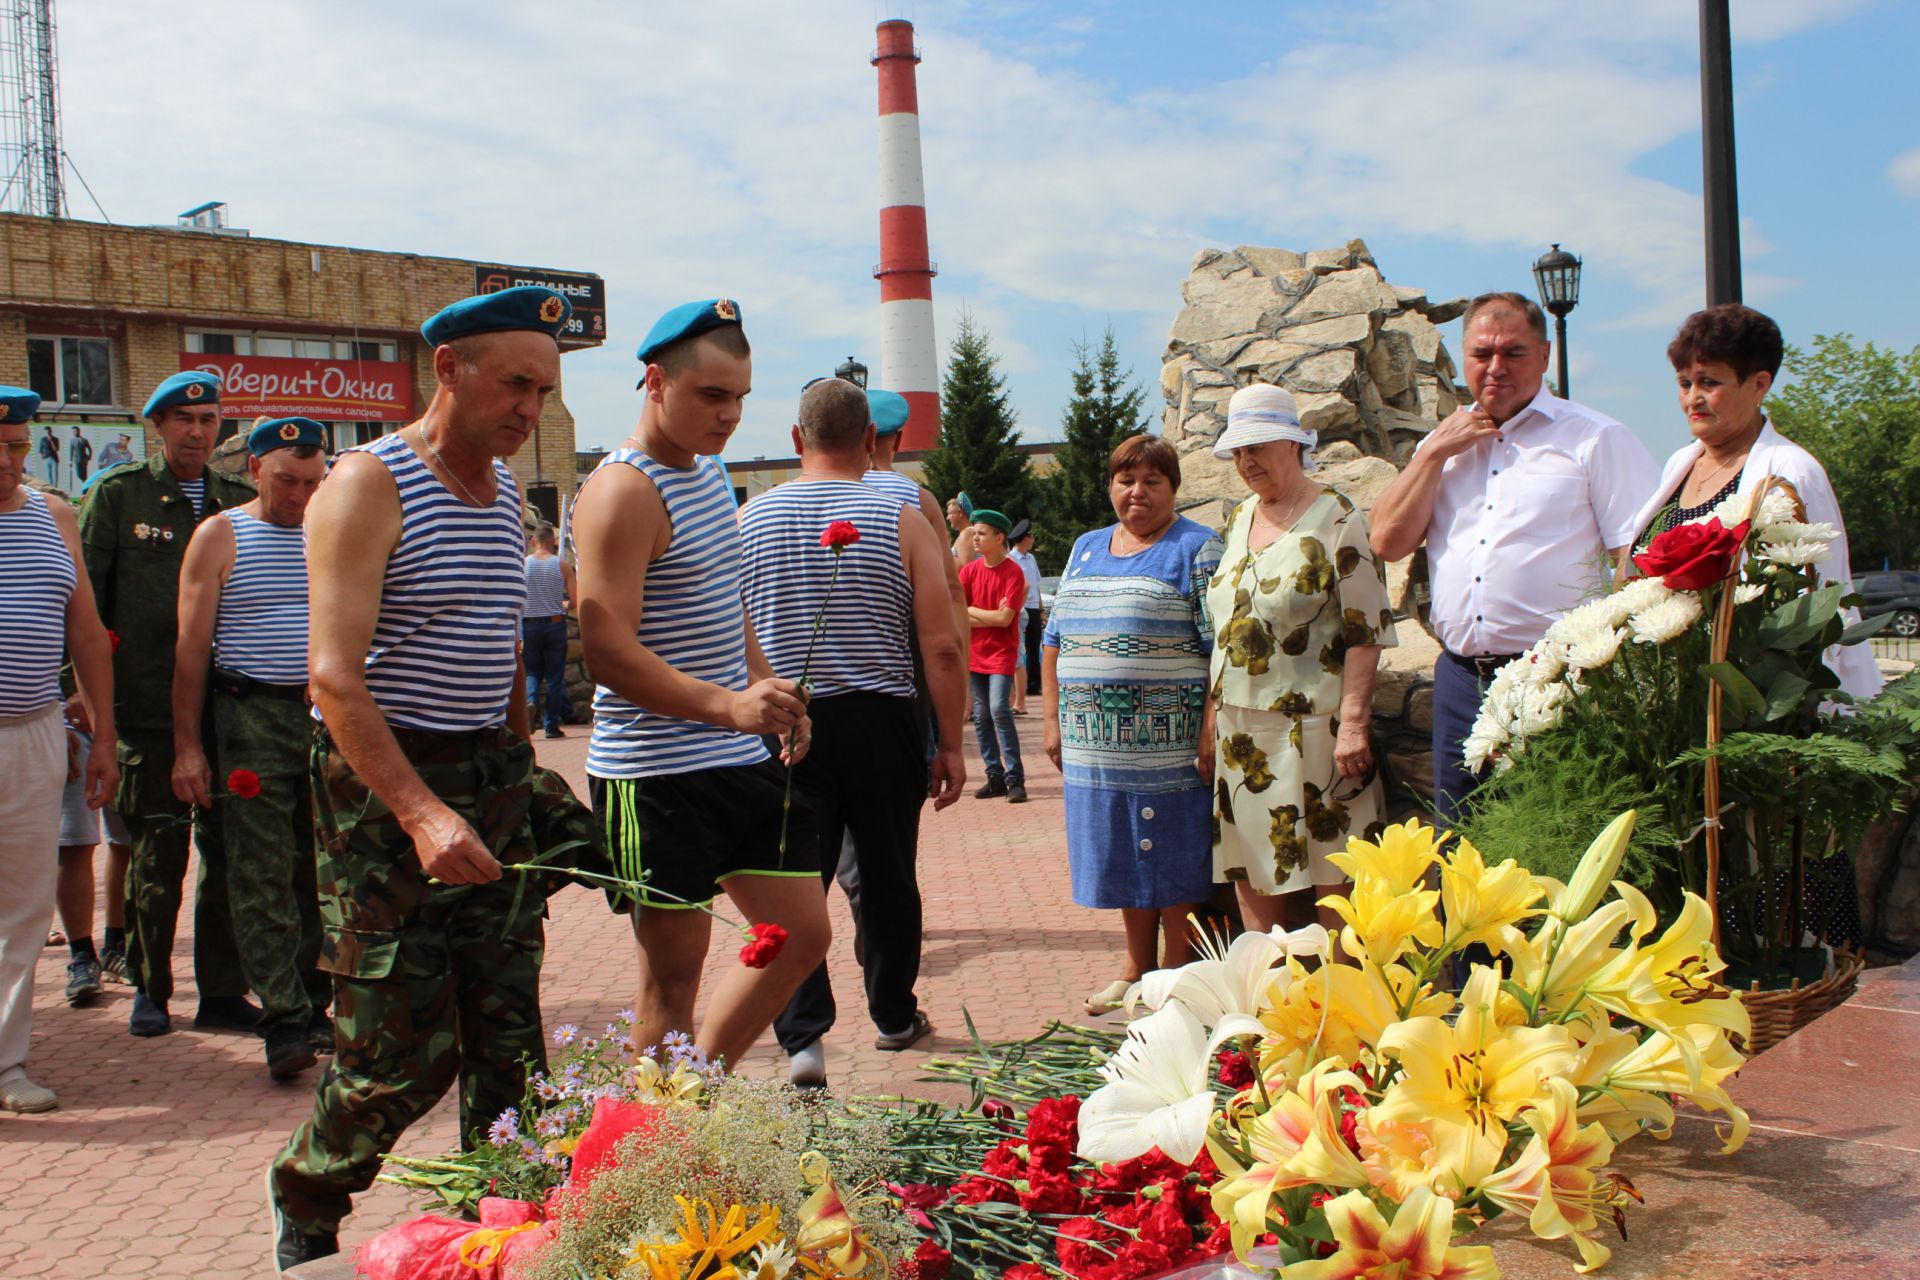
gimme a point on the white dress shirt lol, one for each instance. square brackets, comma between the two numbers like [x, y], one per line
[1773, 454]
[1030, 567]
[1522, 522]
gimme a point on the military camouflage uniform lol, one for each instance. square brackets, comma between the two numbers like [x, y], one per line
[431, 981]
[134, 528]
[271, 851]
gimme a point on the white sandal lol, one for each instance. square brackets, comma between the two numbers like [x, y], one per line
[23, 1095]
[1108, 998]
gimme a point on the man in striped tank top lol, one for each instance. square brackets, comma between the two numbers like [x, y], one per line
[243, 610]
[689, 794]
[135, 527]
[46, 606]
[867, 774]
[423, 771]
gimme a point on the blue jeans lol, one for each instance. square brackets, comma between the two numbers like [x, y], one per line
[543, 649]
[1457, 690]
[993, 726]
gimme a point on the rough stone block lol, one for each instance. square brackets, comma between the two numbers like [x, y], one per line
[1359, 291]
[1325, 412]
[1441, 312]
[1338, 331]
[1390, 361]
[1324, 261]
[1210, 323]
[1421, 335]
[1324, 371]
[1270, 262]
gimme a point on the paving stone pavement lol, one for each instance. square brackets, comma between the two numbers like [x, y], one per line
[152, 1165]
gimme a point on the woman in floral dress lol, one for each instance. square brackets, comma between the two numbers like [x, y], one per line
[1299, 607]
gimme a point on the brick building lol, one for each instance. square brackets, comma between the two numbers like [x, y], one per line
[94, 316]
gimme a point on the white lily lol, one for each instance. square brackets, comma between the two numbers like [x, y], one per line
[1157, 1092]
[1218, 983]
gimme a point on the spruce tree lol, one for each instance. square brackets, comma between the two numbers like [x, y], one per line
[1106, 408]
[977, 432]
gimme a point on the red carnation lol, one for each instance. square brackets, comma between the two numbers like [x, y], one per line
[1075, 1245]
[929, 1262]
[839, 535]
[113, 641]
[979, 1190]
[763, 944]
[1691, 556]
[1051, 1193]
[1024, 1271]
[244, 783]
[1055, 1122]
[1236, 1068]
[1008, 1160]
[1219, 1242]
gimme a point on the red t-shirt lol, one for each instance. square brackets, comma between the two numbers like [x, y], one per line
[994, 651]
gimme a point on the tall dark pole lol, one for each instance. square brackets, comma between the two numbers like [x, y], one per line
[1560, 345]
[1716, 139]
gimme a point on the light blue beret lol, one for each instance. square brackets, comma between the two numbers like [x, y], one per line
[889, 410]
[190, 387]
[528, 306]
[688, 320]
[20, 404]
[285, 433]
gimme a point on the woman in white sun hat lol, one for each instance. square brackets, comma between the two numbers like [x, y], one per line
[1299, 608]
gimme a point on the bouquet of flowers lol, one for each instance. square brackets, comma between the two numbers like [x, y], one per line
[1623, 704]
[1386, 1113]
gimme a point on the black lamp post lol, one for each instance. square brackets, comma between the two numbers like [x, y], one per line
[853, 371]
[1557, 274]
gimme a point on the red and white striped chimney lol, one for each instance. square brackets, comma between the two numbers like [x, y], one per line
[908, 363]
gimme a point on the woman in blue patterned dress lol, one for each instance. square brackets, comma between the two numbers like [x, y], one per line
[1123, 667]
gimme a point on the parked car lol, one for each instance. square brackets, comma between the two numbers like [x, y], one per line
[1897, 593]
[1048, 585]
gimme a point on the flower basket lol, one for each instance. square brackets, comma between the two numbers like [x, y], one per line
[1779, 1013]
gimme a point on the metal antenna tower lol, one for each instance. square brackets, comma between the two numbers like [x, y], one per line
[30, 110]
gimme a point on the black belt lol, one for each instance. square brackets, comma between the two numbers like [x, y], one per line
[237, 684]
[1484, 665]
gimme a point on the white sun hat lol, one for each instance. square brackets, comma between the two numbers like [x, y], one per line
[1260, 413]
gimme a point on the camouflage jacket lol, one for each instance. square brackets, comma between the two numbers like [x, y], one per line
[134, 527]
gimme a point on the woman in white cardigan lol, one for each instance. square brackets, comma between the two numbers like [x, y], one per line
[1725, 359]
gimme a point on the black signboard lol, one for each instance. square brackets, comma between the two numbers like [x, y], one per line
[588, 294]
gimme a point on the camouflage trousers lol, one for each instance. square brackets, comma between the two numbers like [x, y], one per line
[270, 854]
[432, 982]
[158, 868]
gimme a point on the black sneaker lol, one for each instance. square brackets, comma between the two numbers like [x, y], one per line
[995, 788]
[556, 732]
[226, 1013]
[320, 1033]
[293, 1247]
[83, 981]
[148, 1018]
[1016, 793]
[288, 1052]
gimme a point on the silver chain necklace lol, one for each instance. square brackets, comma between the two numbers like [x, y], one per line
[449, 473]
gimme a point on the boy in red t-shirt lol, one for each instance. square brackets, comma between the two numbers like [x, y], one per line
[996, 591]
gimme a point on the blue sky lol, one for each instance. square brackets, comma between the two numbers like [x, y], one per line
[1077, 155]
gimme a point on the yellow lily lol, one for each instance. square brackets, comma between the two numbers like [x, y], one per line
[1557, 963]
[1304, 1023]
[1294, 1143]
[1483, 904]
[708, 1241]
[1634, 1080]
[1400, 857]
[1415, 1247]
[1553, 1182]
[1672, 983]
[1384, 921]
[827, 1225]
[1595, 871]
[1466, 1081]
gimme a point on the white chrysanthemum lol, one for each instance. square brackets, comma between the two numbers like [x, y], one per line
[1593, 647]
[1582, 619]
[1661, 622]
[1542, 664]
[1640, 593]
[1796, 531]
[1542, 708]
[1748, 592]
[1799, 553]
[1480, 746]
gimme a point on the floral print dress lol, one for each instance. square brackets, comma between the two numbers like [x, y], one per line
[1284, 618]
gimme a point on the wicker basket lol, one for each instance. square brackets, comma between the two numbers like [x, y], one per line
[1779, 1013]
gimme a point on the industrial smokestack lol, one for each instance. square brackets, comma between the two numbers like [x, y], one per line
[908, 363]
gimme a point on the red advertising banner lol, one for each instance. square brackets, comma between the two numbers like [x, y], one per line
[330, 390]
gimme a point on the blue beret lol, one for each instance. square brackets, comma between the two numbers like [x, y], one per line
[528, 306]
[191, 387]
[285, 433]
[20, 404]
[688, 320]
[889, 410]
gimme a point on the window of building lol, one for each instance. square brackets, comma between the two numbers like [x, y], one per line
[233, 343]
[220, 344]
[263, 345]
[348, 434]
[350, 349]
[76, 372]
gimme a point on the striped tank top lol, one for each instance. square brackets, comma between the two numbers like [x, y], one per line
[449, 625]
[37, 577]
[691, 618]
[546, 588]
[863, 645]
[261, 630]
[894, 485]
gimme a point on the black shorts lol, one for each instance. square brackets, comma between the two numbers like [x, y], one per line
[688, 833]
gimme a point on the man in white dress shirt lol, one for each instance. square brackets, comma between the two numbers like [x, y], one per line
[1522, 499]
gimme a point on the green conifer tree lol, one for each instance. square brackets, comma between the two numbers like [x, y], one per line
[976, 453]
[1107, 407]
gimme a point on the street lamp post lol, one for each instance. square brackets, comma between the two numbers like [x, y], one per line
[1557, 274]
[853, 371]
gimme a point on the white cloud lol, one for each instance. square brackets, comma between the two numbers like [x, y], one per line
[1903, 171]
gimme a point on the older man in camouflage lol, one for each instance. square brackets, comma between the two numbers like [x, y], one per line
[134, 531]
[424, 780]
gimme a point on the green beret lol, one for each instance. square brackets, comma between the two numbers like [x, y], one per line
[889, 410]
[532, 307]
[285, 433]
[19, 404]
[994, 518]
[190, 387]
[688, 320]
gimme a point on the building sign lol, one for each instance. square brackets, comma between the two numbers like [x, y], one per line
[331, 390]
[588, 294]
